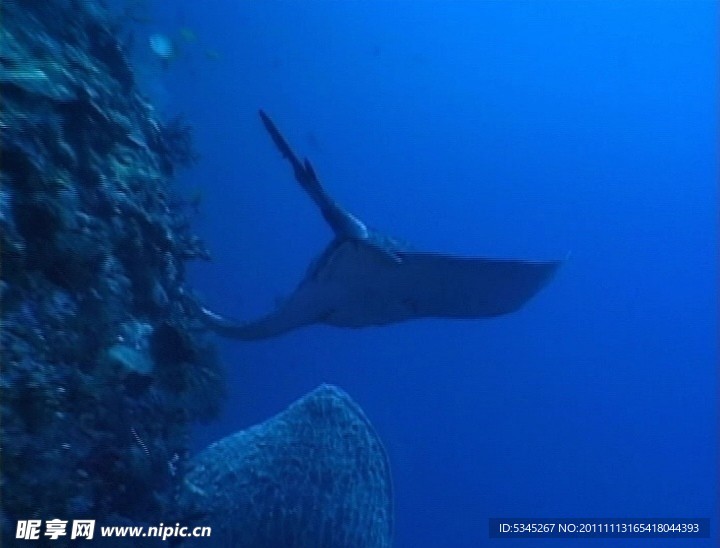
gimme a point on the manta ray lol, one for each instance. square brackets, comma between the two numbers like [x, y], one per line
[367, 278]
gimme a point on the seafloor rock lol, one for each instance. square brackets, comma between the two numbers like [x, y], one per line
[103, 368]
[314, 475]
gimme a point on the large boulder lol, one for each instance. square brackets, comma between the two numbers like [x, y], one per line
[314, 475]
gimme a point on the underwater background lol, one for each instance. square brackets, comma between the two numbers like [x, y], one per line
[520, 129]
[584, 131]
[503, 129]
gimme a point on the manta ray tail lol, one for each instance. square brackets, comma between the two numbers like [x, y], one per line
[343, 223]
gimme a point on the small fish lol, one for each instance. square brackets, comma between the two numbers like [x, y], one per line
[188, 34]
[212, 55]
[163, 47]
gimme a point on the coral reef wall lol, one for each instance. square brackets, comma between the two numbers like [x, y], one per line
[103, 368]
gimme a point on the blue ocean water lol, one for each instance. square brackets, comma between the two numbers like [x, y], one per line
[508, 129]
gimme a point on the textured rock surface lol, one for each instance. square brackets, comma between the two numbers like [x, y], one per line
[102, 369]
[314, 475]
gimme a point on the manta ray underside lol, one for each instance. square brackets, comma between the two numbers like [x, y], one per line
[364, 278]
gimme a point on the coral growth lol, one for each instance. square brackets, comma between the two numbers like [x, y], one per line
[103, 369]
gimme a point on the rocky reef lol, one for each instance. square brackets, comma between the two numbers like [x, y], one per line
[104, 366]
[103, 369]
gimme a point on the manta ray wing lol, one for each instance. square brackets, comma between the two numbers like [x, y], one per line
[331, 290]
[296, 311]
[301, 308]
[361, 286]
[445, 286]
